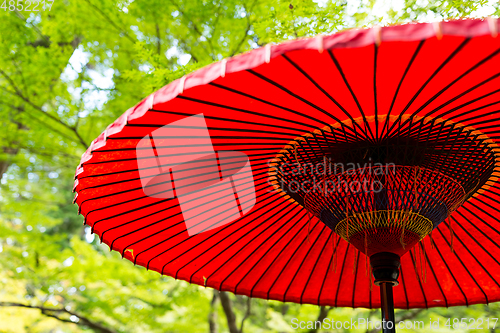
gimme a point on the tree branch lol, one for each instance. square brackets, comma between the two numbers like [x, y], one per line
[158, 36]
[227, 306]
[53, 129]
[249, 26]
[248, 313]
[214, 28]
[111, 21]
[50, 312]
[237, 49]
[21, 16]
[20, 95]
[195, 28]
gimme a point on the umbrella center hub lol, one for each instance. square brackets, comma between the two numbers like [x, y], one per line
[385, 208]
[385, 194]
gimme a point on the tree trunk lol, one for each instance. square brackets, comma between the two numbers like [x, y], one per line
[323, 313]
[212, 315]
[227, 305]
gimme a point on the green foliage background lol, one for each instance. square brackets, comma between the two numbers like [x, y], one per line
[65, 74]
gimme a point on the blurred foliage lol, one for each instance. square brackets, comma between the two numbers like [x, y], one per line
[65, 74]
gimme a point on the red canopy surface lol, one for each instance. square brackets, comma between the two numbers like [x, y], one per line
[253, 106]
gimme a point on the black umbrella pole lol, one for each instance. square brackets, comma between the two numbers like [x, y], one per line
[387, 307]
[385, 267]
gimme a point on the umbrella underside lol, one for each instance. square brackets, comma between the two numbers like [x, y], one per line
[231, 177]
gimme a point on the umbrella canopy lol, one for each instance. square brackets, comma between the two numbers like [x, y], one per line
[229, 177]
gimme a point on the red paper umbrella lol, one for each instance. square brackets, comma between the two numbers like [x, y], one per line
[311, 170]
